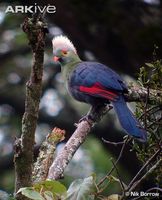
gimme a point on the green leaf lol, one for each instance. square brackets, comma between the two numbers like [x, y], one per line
[53, 186]
[94, 176]
[81, 189]
[48, 195]
[149, 65]
[113, 178]
[114, 197]
[30, 193]
[11, 198]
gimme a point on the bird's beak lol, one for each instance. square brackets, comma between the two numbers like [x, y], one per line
[56, 59]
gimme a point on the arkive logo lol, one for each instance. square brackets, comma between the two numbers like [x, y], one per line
[30, 9]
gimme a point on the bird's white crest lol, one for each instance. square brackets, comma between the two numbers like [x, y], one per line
[62, 42]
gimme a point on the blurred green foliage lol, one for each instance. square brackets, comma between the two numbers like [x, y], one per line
[150, 76]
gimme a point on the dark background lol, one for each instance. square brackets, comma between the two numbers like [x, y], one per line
[122, 34]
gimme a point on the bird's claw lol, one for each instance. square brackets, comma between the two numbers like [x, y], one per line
[87, 118]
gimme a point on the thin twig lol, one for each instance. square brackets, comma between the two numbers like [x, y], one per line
[145, 108]
[145, 175]
[154, 188]
[119, 177]
[112, 169]
[142, 168]
[112, 143]
[155, 122]
[151, 109]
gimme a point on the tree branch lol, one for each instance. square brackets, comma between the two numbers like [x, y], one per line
[140, 94]
[57, 168]
[46, 154]
[23, 157]
[155, 166]
[83, 128]
[116, 162]
[142, 169]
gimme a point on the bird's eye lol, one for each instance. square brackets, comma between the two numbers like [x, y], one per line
[64, 52]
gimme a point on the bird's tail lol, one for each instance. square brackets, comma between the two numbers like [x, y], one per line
[128, 121]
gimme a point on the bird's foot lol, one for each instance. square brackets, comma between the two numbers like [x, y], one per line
[109, 107]
[87, 118]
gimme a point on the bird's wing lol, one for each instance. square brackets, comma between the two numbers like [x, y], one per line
[97, 80]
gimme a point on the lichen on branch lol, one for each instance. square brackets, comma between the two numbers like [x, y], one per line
[46, 154]
[35, 30]
[140, 94]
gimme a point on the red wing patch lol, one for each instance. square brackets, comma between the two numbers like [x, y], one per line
[98, 89]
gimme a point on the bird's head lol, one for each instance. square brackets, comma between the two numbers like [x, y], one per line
[63, 50]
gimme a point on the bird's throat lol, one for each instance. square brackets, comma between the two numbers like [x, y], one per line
[68, 68]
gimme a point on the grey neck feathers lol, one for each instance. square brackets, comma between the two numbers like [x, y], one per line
[67, 68]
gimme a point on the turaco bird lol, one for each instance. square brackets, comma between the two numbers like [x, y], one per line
[95, 83]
